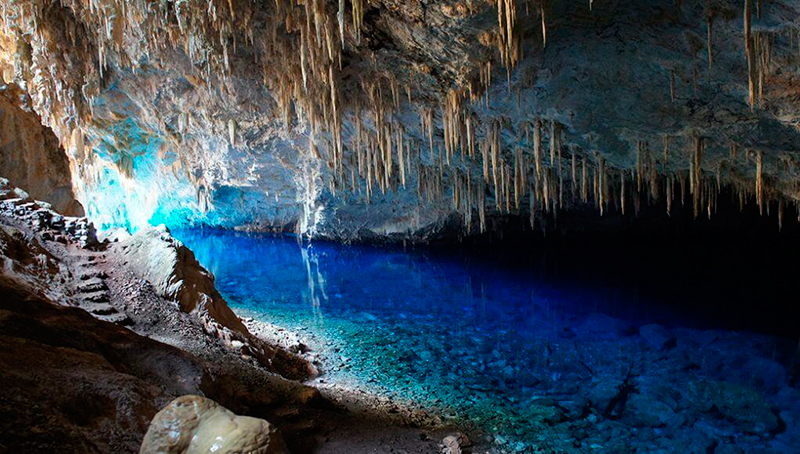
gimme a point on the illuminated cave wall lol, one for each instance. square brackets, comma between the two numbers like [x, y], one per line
[391, 117]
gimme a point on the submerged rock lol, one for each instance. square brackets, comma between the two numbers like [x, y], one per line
[653, 413]
[765, 373]
[194, 425]
[656, 336]
[740, 405]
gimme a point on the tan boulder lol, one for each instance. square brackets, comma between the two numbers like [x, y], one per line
[194, 425]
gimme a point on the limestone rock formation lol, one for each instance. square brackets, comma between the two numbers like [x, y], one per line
[30, 154]
[172, 269]
[389, 118]
[195, 425]
[78, 373]
[71, 383]
[60, 257]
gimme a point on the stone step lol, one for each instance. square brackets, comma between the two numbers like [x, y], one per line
[92, 285]
[99, 308]
[117, 318]
[87, 274]
[96, 297]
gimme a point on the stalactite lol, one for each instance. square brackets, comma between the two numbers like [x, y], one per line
[546, 190]
[544, 25]
[697, 159]
[532, 207]
[358, 17]
[672, 85]
[508, 40]
[555, 143]
[601, 184]
[710, 26]
[749, 53]
[232, 131]
[639, 166]
[537, 147]
[494, 142]
[584, 182]
[401, 161]
[517, 177]
[760, 181]
[470, 123]
[574, 167]
[622, 192]
[670, 194]
[340, 18]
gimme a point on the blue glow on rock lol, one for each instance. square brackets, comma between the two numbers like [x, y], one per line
[133, 180]
[135, 185]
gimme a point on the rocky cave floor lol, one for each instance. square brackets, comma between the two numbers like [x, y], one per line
[93, 352]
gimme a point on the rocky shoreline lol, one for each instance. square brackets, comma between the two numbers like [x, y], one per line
[125, 327]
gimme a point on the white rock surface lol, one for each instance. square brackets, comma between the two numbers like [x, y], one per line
[195, 425]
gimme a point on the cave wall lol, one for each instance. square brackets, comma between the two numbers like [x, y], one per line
[31, 156]
[391, 118]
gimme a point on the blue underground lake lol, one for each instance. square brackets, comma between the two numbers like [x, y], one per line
[534, 356]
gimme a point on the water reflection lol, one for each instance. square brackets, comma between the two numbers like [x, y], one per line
[316, 281]
[530, 359]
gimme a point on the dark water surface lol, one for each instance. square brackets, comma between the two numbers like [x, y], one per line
[581, 347]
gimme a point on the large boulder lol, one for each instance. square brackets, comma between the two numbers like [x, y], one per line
[172, 269]
[194, 424]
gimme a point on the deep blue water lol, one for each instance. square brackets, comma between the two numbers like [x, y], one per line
[532, 359]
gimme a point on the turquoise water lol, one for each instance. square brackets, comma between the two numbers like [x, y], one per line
[531, 361]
